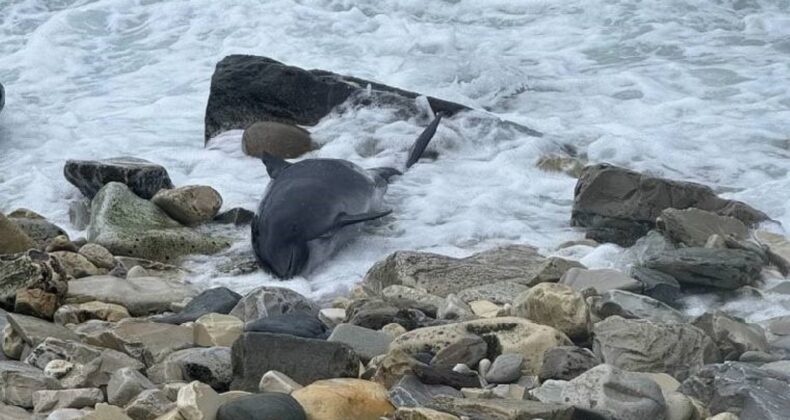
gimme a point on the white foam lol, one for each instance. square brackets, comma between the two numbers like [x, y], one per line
[688, 90]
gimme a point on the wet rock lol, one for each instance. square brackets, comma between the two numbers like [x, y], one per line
[80, 213]
[141, 176]
[657, 285]
[778, 249]
[505, 369]
[140, 295]
[190, 205]
[623, 395]
[198, 401]
[46, 401]
[501, 293]
[274, 381]
[692, 227]
[32, 270]
[285, 141]
[33, 331]
[246, 89]
[344, 398]
[126, 384]
[408, 297]
[149, 404]
[81, 312]
[751, 392]
[35, 302]
[466, 350]
[502, 409]
[556, 305]
[633, 306]
[646, 346]
[61, 243]
[129, 225]
[298, 324]
[455, 378]
[720, 268]
[18, 382]
[217, 330]
[37, 228]
[601, 280]
[453, 308]
[441, 275]
[269, 405]
[618, 205]
[268, 301]
[75, 264]
[732, 335]
[151, 268]
[98, 255]
[410, 392]
[15, 240]
[304, 360]
[571, 166]
[237, 216]
[148, 342]
[566, 363]
[365, 342]
[218, 300]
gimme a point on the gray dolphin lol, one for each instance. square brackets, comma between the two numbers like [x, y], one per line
[310, 206]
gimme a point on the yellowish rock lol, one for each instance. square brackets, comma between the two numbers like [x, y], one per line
[104, 411]
[485, 308]
[14, 239]
[197, 401]
[81, 312]
[173, 414]
[217, 330]
[229, 396]
[393, 329]
[724, 416]
[556, 305]
[344, 398]
[274, 381]
[420, 413]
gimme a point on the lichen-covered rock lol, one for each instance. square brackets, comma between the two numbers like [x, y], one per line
[76, 265]
[128, 225]
[32, 270]
[190, 205]
[556, 305]
[37, 228]
[14, 239]
[144, 178]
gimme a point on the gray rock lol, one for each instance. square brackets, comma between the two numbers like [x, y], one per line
[601, 280]
[721, 268]
[657, 285]
[268, 301]
[190, 205]
[408, 297]
[141, 176]
[549, 391]
[566, 363]
[218, 300]
[758, 357]
[505, 369]
[646, 346]
[33, 331]
[10, 412]
[501, 292]
[693, 227]
[781, 366]
[285, 141]
[468, 350]
[267, 405]
[46, 401]
[454, 308]
[32, 270]
[274, 381]
[502, 409]
[633, 306]
[623, 395]
[75, 265]
[41, 231]
[98, 256]
[556, 305]
[552, 270]
[732, 335]
[210, 365]
[304, 360]
[365, 342]
[15, 240]
[410, 392]
[149, 404]
[80, 213]
[128, 225]
[126, 384]
[751, 392]
[441, 275]
[618, 205]
[299, 324]
[140, 295]
[236, 216]
[18, 382]
[779, 325]
[75, 352]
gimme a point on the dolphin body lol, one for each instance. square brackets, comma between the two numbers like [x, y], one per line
[310, 207]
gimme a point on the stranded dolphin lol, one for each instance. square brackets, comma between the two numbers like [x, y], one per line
[310, 206]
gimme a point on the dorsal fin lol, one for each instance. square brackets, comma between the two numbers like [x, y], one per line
[274, 165]
[422, 142]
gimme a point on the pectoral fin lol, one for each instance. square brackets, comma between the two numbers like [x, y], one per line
[344, 219]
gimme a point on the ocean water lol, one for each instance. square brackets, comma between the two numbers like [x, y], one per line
[695, 90]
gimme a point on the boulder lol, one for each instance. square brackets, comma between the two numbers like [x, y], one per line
[75, 264]
[268, 301]
[148, 342]
[566, 363]
[285, 141]
[236, 216]
[618, 205]
[454, 308]
[211, 366]
[420, 413]
[601, 280]
[98, 255]
[140, 295]
[81, 312]
[647, 346]
[55, 350]
[33, 331]
[61, 243]
[466, 350]
[125, 384]
[298, 324]
[503, 335]
[267, 405]
[556, 305]
[408, 297]
[217, 330]
[144, 178]
[31, 270]
[732, 335]
[505, 369]
[218, 300]
[149, 404]
[18, 382]
[304, 360]
[35, 302]
[503, 409]
[274, 381]
[11, 412]
[128, 225]
[441, 275]
[365, 342]
[711, 267]
[410, 392]
[633, 306]
[190, 205]
[37, 228]
[46, 401]
[344, 398]
[620, 394]
[197, 401]
[500, 293]
[740, 388]
[15, 240]
[657, 285]
[692, 227]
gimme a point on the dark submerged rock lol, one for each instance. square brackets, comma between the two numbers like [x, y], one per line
[144, 178]
[709, 267]
[219, 300]
[298, 324]
[566, 363]
[267, 405]
[237, 216]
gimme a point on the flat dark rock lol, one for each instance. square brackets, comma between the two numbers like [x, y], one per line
[265, 406]
[410, 392]
[237, 216]
[657, 285]
[298, 324]
[304, 360]
[144, 178]
[219, 300]
[710, 267]
[445, 376]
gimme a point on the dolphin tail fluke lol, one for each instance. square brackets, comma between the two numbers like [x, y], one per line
[274, 165]
[422, 142]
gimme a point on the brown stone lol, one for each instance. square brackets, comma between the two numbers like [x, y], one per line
[36, 302]
[281, 140]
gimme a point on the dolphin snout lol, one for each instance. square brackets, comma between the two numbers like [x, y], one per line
[288, 262]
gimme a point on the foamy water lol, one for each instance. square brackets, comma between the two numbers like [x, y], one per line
[694, 90]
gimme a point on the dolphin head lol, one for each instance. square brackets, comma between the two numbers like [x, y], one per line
[281, 248]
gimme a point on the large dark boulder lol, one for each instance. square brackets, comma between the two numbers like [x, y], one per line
[246, 89]
[268, 405]
[298, 324]
[144, 178]
[709, 267]
[620, 206]
[742, 389]
[302, 359]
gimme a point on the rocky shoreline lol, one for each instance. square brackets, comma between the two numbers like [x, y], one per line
[109, 327]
